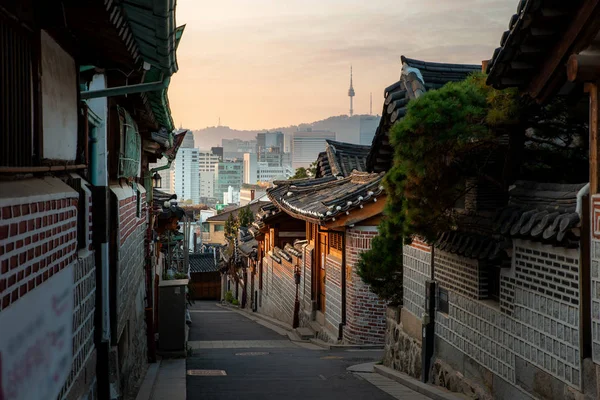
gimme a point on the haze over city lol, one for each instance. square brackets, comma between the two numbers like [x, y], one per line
[264, 64]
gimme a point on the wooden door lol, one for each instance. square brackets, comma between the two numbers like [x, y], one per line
[322, 257]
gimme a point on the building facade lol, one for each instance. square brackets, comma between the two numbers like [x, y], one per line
[306, 146]
[228, 173]
[186, 171]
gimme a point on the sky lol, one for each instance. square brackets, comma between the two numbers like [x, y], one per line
[259, 64]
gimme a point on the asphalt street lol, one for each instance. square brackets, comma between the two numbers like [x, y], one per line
[237, 358]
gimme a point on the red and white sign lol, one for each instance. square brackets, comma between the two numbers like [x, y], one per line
[36, 334]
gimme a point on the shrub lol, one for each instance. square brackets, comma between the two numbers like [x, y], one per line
[229, 297]
[235, 302]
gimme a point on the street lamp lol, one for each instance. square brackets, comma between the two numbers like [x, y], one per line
[156, 180]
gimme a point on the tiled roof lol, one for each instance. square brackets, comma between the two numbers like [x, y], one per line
[203, 262]
[472, 245]
[532, 36]
[416, 78]
[340, 159]
[323, 199]
[541, 211]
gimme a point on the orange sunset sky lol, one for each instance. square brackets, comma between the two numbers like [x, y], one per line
[261, 64]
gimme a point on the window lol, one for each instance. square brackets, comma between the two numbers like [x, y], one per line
[131, 143]
[18, 119]
[336, 241]
[443, 304]
[219, 228]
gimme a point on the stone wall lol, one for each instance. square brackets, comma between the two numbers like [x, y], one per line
[365, 312]
[542, 329]
[402, 350]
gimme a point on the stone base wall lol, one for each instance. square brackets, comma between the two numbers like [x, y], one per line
[402, 351]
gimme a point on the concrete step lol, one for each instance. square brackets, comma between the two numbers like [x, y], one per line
[305, 333]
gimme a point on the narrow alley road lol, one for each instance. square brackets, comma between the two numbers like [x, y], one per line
[235, 357]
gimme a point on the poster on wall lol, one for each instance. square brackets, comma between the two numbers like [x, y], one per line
[36, 341]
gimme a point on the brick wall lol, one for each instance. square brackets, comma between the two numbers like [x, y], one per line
[462, 275]
[333, 293]
[130, 286]
[365, 312]
[38, 238]
[542, 327]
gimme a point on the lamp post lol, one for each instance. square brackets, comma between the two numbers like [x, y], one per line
[296, 321]
[156, 180]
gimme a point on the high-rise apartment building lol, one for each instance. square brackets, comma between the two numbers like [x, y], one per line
[228, 173]
[186, 183]
[250, 168]
[207, 161]
[306, 146]
[269, 140]
[207, 184]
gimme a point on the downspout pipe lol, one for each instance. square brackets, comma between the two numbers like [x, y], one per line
[98, 111]
[343, 323]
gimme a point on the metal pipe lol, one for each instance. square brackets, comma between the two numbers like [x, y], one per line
[128, 89]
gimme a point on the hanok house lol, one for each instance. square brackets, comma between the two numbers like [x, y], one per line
[342, 208]
[64, 234]
[205, 278]
[213, 229]
[518, 308]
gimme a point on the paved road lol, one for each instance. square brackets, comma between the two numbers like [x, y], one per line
[261, 364]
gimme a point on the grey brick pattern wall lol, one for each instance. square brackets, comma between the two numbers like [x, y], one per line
[279, 290]
[333, 290]
[595, 282]
[307, 258]
[130, 274]
[83, 325]
[544, 326]
[417, 270]
[461, 274]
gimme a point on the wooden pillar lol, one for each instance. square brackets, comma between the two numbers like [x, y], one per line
[592, 90]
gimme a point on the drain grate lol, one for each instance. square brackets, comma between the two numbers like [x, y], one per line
[252, 353]
[206, 372]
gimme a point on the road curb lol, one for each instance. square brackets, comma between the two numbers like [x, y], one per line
[425, 389]
[147, 388]
[332, 346]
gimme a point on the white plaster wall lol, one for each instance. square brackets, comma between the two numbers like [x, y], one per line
[59, 101]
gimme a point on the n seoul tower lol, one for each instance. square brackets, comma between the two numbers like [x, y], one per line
[351, 92]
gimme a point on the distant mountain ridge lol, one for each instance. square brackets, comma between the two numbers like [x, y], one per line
[347, 129]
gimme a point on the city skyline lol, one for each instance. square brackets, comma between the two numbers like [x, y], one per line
[293, 58]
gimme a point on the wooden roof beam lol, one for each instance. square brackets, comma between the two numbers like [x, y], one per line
[581, 21]
[584, 67]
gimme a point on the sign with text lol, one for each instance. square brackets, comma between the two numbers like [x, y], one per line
[36, 334]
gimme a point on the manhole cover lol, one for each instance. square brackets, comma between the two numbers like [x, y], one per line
[206, 372]
[252, 353]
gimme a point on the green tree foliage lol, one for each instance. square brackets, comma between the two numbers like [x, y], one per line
[465, 130]
[230, 226]
[245, 217]
[301, 173]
